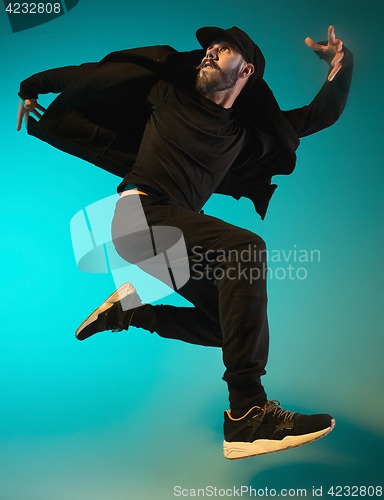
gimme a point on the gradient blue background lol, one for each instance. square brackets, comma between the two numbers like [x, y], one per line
[130, 416]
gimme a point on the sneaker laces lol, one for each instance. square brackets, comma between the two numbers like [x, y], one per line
[274, 407]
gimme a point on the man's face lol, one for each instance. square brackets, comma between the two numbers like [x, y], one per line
[220, 67]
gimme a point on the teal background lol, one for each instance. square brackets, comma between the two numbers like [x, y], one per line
[130, 416]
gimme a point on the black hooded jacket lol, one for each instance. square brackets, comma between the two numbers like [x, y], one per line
[102, 110]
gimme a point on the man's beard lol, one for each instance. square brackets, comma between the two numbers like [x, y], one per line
[218, 81]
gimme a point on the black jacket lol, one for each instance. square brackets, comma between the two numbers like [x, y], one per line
[102, 109]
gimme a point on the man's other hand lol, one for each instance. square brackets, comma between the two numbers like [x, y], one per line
[333, 49]
[26, 107]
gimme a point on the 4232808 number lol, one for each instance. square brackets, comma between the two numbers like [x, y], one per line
[33, 8]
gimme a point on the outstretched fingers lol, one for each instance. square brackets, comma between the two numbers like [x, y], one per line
[25, 108]
[337, 60]
[331, 35]
[333, 48]
[312, 45]
[20, 115]
[339, 53]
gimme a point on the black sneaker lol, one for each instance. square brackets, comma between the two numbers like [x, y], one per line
[111, 315]
[269, 428]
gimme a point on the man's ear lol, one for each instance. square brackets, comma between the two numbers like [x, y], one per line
[247, 71]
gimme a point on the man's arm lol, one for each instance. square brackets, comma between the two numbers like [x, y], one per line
[53, 80]
[330, 102]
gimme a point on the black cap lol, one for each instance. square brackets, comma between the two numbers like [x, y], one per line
[250, 50]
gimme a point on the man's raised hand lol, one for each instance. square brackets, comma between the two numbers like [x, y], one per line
[334, 48]
[26, 107]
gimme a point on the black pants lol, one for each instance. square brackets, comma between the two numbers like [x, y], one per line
[227, 288]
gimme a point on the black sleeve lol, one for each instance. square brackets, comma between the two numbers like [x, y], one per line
[53, 80]
[328, 104]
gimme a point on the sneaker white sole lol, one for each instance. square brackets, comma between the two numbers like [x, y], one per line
[237, 450]
[121, 293]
